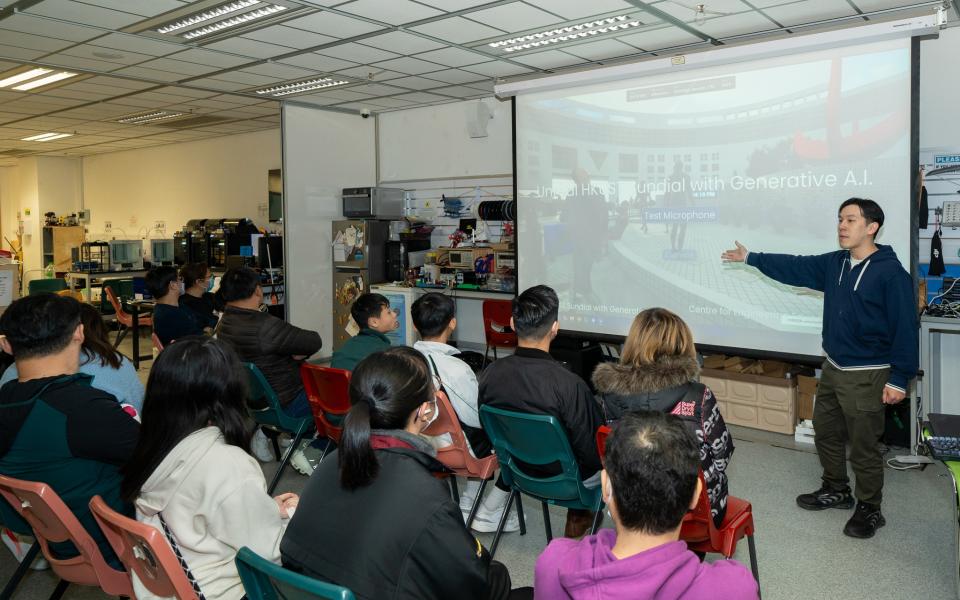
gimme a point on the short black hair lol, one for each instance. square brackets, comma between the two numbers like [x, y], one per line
[432, 313]
[40, 325]
[535, 311]
[238, 284]
[158, 280]
[193, 272]
[653, 462]
[366, 307]
[871, 211]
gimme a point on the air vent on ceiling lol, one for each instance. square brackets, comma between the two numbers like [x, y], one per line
[201, 121]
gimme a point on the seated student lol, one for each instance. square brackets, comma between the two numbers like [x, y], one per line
[170, 321]
[112, 372]
[374, 317]
[190, 475]
[658, 370]
[55, 427]
[531, 381]
[390, 527]
[197, 283]
[649, 484]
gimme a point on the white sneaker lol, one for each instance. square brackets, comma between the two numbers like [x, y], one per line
[486, 522]
[467, 496]
[306, 458]
[19, 545]
[284, 441]
[261, 447]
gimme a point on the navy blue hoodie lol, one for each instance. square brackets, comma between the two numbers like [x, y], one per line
[869, 311]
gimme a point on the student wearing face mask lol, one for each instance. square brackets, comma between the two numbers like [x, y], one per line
[170, 320]
[390, 528]
[197, 296]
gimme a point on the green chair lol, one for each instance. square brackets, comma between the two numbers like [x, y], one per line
[537, 440]
[45, 286]
[264, 580]
[271, 414]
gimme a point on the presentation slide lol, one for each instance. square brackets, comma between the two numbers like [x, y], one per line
[629, 191]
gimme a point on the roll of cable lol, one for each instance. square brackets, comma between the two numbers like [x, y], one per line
[497, 210]
[510, 210]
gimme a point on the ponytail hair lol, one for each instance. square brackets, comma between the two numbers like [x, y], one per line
[386, 388]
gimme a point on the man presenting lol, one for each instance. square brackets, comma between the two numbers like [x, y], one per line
[870, 343]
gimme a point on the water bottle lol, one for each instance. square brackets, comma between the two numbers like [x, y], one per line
[50, 272]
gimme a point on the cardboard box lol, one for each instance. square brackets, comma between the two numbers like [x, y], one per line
[753, 400]
[714, 361]
[807, 384]
[805, 403]
[774, 368]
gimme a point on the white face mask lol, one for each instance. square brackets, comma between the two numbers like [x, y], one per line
[182, 289]
[434, 413]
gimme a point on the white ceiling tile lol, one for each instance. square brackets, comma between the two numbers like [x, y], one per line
[328, 23]
[365, 71]
[485, 87]
[459, 91]
[454, 57]
[249, 47]
[33, 42]
[318, 62]
[279, 71]
[40, 26]
[346, 95]
[116, 82]
[870, 5]
[458, 30]
[184, 91]
[686, 11]
[137, 43]
[213, 58]
[182, 67]
[454, 5]
[146, 8]
[75, 62]
[379, 89]
[392, 103]
[416, 83]
[665, 37]
[401, 43]
[514, 17]
[111, 55]
[395, 12]
[578, 9]
[453, 76]
[549, 59]
[423, 97]
[153, 74]
[497, 69]
[600, 49]
[248, 78]
[317, 99]
[63, 92]
[721, 27]
[357, 53]
[219, 84]
[809, 11]
[84, 14]
[408, 64]
[289, 36]
[16, 53]
[236, 99]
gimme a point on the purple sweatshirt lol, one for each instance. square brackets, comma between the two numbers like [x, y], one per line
[587, 570]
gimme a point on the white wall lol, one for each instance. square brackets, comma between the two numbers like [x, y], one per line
[939, 90]
[218, 177]
[433, 143]
[323, 152]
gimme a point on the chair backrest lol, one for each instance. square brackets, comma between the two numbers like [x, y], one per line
[496, 315]
[261, 394]
[328, 391]
[533, 440]
[457, 456]
[156, 342]
[53, 522]
[698, 522]
[143, 550]
[264, 580]
[122, 315]
[602, 433]
[44, 286]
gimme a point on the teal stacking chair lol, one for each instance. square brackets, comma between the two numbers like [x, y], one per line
[265, 409]
[537, 440]
[264, 580]
[44, 286]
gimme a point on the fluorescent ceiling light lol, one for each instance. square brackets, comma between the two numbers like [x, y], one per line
[253, 15]
[149, 117]
[566, 34]
[220, 11]
[24, 76]
[45, 137]
[301, 86]
[44, 81]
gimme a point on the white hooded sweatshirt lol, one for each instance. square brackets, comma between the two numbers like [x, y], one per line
[213, 498]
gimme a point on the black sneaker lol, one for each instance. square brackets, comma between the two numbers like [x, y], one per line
[865, 522]
[826, 498]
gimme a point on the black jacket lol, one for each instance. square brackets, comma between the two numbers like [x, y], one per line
[203, 307]
[531, 381]
[400, 538]
[664, 386]
[270, 343]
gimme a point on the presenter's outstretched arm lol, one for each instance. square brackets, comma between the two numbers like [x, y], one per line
[738, 254]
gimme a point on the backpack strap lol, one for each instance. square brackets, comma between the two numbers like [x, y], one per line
[180, 559]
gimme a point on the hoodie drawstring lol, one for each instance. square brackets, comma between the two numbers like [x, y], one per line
[862, 271]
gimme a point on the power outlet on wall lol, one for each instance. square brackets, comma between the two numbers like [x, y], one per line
[161, 225]
[107, 226]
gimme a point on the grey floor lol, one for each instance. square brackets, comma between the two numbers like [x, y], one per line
[802, 555]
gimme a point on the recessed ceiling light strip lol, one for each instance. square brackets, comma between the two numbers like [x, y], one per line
[207, 15]
[45, 137]
[566, 34]
[266, 11]
[23, 87]
[300, 86]
[19, 77]
[150, 117]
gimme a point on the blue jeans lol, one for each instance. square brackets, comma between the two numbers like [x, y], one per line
[299, 407]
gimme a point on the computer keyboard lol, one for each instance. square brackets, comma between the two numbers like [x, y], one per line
[944, 448]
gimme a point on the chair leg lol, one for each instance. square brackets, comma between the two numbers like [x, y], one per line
[494, 353]
[286, 459]
[455, 489]
[597, 521]
[503, 521]
[546, 522]
[486, 354]
[520, 517]
[62, 586]
[753, 560]
[476, 503]
[14, 581]
[325, 450]
[120, 333]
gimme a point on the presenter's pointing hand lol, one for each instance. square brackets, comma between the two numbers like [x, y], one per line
[738, 254]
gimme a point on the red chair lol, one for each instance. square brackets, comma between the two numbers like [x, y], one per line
[457, 456]
[143, 550]
[52, 521]
[123, 317]
[698, 529]
[496, 326]
[156, 342]
[328, 391]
